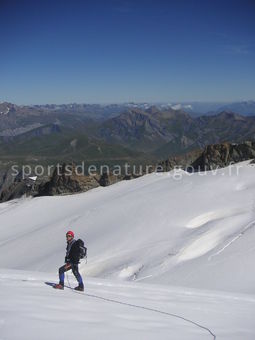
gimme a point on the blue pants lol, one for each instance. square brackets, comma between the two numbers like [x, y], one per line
[75, 271]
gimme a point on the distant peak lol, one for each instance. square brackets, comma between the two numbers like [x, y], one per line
[229, 114]
[153, 109]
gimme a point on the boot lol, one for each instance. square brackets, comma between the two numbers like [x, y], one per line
[80, 288]
[58, 286]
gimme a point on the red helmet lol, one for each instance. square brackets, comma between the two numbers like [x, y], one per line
[71, 233]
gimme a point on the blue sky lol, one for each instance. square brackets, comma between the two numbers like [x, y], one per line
[109, 51]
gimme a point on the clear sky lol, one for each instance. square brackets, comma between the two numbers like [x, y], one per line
[94, 51]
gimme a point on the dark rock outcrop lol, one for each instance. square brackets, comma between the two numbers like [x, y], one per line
[65, 180]
[182, 161]
[212, 157]
[104, 180]
[14, 185]
[221, 155]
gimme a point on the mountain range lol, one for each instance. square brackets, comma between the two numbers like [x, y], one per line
[76, 132]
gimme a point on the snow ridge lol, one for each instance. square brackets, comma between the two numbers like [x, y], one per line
[248, 227]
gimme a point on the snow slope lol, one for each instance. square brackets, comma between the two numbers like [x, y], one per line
[30, 309]
[163, 231]
[197, 231]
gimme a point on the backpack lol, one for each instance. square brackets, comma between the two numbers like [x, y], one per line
[82, 249]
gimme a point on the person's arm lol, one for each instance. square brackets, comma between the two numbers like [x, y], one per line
[67, 257]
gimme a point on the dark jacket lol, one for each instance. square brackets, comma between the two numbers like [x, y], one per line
[73, 255]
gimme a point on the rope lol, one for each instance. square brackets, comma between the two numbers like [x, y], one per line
[144, 308]
[148, 309]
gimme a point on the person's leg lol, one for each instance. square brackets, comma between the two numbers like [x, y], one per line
[77, 275]
[62, 271]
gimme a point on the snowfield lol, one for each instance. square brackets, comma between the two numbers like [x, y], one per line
[170, 256]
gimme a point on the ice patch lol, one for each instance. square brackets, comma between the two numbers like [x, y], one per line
[201, 220]
[210, 216]
[200, 246]
[130, 272]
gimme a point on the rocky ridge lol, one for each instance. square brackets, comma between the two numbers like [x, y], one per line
[63, 181]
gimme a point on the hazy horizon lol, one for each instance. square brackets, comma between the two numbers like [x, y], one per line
[132, 102]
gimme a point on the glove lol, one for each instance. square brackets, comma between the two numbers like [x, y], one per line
[67, 266]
